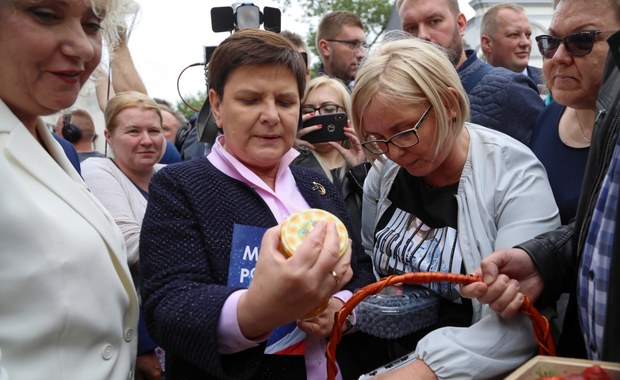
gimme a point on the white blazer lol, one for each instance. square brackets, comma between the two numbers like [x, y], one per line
[68, 308]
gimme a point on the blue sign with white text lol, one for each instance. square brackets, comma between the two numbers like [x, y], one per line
[245, 246]
[284, 340]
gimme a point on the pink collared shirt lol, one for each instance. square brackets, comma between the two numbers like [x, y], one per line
[283, 201]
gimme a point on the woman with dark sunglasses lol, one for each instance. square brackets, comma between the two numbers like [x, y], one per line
[574, 54]
[583, 257]
[444, 193]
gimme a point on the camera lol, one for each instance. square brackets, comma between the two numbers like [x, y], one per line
[241, 16]
[196, 140]
[244, 15]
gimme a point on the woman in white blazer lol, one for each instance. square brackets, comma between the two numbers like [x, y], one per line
[68, 308]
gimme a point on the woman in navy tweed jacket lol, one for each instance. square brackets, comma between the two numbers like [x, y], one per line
[205, 220]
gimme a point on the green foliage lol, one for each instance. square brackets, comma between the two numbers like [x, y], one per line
[193, 103]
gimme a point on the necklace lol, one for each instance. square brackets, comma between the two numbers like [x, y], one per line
[581, 128]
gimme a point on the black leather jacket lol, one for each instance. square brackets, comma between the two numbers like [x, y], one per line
[557, 254]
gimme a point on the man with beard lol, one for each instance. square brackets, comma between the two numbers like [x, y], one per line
[500, 99]
[341, 43]
[505, 39]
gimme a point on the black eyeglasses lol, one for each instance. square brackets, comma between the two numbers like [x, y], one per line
[322, 109]
[352, 44]
[578, 44]
[404, 139]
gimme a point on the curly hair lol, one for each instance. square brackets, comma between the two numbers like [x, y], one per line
[114, 13]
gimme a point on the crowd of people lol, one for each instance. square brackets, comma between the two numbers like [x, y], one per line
[140, 263]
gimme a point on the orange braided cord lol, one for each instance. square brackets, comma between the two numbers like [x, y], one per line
[542, 332]
[540, 323]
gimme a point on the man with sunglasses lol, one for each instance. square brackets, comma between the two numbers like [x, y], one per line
[500, 99]
[583, 257]
[341, 43]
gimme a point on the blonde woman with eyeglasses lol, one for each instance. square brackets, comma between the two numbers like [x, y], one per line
[472, 188]
[342, 161]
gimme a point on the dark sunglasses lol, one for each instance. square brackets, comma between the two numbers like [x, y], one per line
[578, 44]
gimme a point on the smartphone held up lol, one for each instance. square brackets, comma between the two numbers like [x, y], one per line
[332, 127]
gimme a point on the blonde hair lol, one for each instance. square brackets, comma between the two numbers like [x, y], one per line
[452, 4]
[335, 84]
[128, 99]
[411, 72]
[345, 101]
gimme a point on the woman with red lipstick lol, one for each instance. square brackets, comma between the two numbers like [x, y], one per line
[574, 54]
[69, 309]
[444, 193]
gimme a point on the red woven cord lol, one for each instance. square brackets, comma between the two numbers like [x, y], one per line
[540, 323]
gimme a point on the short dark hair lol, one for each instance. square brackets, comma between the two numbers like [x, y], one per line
[254, 47]
[452, 4]
[331, 24]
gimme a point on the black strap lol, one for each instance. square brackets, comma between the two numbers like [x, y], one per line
[472, 80]
[207, 129]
